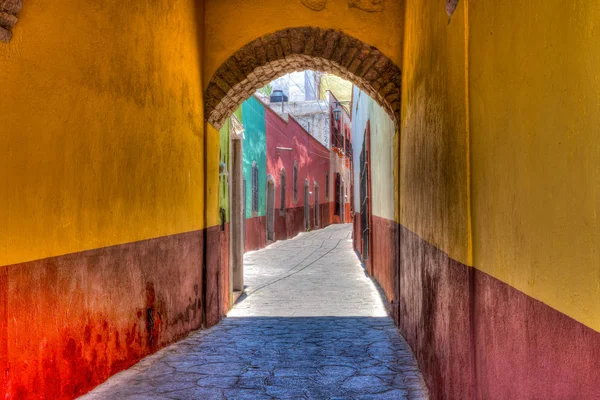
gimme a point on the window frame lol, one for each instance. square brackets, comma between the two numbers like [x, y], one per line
[295, 181]
[282, 184]
[255, 183]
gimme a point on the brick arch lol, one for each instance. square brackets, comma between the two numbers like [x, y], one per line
[8, 17]
[296, 49]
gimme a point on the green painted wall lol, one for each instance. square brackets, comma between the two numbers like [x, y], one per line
[223, 179]
[255, 150]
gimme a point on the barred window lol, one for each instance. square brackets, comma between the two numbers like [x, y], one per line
[282, 184]
[254, 187]
[295, 181]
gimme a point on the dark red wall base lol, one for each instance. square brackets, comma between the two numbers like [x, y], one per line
[68, 323]
[384, 256]
[289, 223]
[217, 274]
[256, 233]
[528, 350]
[474, 336]
[477, 337]
[434, 316]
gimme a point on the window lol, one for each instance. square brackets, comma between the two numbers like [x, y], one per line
[282, 184]
[254, 187]
[295, 181]
[338, 194]
[326, 184]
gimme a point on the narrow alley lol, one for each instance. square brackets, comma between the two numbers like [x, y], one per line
[311, 325]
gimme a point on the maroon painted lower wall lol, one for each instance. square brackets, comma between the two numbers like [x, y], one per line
[384, 256]
[256, 233]
[217, 274]
[325, 216]
[289, 223]
[528, 350]
[356, 236]
[67, 323]
[224, 265]
[477, 337]
[433, 314]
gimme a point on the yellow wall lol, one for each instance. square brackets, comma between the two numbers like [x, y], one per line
[230, 24]
[101, 126]
[529, 92]
[433, 149]
[535, 109]
[341, 89]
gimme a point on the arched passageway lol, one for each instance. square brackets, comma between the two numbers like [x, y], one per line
[266, 58]
[311, 325]
[109, 177]
[296, 49]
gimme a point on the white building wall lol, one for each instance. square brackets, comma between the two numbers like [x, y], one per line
[366, 110]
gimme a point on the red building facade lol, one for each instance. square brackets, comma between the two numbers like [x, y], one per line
[341, 162]
[298, 169]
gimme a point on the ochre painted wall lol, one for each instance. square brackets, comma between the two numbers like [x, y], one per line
[531, 142]
[230, 24]
[535, 113]
[433, 150]
[499, 121]
[102, 177]
[102, 126]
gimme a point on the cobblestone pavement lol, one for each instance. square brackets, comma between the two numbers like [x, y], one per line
[310, 326]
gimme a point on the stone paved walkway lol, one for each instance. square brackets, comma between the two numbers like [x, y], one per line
[310, 326]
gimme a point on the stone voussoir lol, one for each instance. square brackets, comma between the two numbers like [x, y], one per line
[295, 49]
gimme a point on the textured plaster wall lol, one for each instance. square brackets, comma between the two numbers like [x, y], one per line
[102, 126]
[224, 149]
[226, 35]
[360, 119]
[254, 150]
[530, 142]
[310, 155]
[366, 110]
[535, 113]
[433, 134]
[214, 185]
[499, 122]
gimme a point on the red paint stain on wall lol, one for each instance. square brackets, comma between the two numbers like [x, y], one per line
[77, 319]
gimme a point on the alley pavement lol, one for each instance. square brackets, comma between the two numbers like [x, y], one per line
[311, 325]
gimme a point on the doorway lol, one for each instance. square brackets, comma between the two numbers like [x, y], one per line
[306, 206]
[270, 209]
[237, 197]
[365, 201]
[342, 202]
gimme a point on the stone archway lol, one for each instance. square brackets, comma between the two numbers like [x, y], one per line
[296, 49]
[8, 17]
